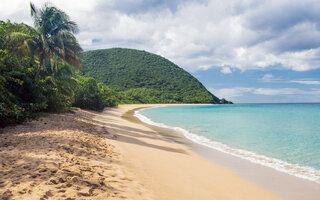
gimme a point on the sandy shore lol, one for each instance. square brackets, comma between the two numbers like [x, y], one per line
[88, 155]
[64, 156]
[282, 184]
[169, 170]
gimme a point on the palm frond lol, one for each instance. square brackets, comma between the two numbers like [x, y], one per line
[32, 45]
[59, 52]
[35, 15]
[52, 38]
[71, 43]
[34, 10]
[51, 80]
[16, 37]
[16, 40]
[69, 26]
[73, 60]
[28, 30]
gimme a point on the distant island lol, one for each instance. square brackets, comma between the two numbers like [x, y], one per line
[143, 77]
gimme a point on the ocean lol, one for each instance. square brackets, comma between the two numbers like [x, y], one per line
[285, 137]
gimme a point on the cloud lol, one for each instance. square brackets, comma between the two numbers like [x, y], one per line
[307, 82]
[198, 35]
[238, 94]
[230, 93]
[269, 78]
[277, 91]
[226, 70]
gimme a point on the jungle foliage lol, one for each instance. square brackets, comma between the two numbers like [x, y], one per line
[93, 95]
[38, 69]
[142, 77]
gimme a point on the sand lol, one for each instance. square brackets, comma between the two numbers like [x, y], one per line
[89, 155]
[64, 156]
[170, 170]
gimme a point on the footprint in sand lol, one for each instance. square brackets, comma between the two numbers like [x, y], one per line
[7, 194]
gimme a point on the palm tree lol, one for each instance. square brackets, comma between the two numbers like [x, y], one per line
[51, 38]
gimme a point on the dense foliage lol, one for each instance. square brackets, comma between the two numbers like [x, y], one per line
[93, 95]
[23, 98]
[37, 69]
[50, 39]
[20, 96]
[142, 77]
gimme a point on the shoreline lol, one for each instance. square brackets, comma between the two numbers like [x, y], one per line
[285, 185]
[170, 170]
[113, 155]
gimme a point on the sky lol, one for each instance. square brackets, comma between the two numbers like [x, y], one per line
[247, 51]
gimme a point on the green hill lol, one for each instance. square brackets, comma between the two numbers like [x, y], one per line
[144, 77]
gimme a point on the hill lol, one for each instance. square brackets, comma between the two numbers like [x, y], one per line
[143, 77]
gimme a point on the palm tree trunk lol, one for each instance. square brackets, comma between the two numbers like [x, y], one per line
[38, 70]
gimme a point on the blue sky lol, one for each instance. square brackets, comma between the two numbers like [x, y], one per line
[263, 86]
[242, 50]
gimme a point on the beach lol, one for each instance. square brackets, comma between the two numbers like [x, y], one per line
[64, 156]
[288, 181]
[159, 100]
[111, 155]
[169, 170]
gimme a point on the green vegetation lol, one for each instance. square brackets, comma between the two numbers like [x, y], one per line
[38, 72]
[93, 95]
[142, 77]
[21, 96]
[37, 69]
[224, 101]
[50, 39]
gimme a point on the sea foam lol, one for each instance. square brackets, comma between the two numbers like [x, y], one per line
[279, 165]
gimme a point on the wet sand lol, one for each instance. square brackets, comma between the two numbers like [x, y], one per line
[284, 185]
[111, 155]
[170, 170]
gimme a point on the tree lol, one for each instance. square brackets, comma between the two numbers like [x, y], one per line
[51, 38]
[88, 95]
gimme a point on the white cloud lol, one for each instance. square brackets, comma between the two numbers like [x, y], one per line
[198, 34]
[279, 94]
[226, 70]
[230, 93]
[269, 78]
[277, 91]
[272, 78]
[307, 82]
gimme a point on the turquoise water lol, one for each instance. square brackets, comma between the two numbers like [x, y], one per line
[283, 136]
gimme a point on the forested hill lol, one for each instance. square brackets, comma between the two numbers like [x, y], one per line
[144, 77]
